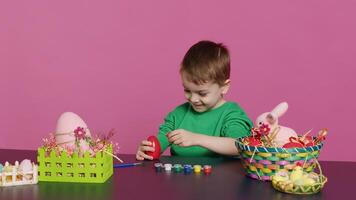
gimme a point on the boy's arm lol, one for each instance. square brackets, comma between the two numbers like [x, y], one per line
[165, 128]
[220, 145]
[236, 125]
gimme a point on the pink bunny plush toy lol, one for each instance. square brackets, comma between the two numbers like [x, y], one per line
[279, 134]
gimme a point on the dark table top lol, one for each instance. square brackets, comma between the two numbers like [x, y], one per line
[227, 181]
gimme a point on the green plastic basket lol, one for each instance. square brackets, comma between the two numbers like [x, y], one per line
[75, 168]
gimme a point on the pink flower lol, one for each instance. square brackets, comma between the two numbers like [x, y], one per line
[79, 133]
[116, 148]
[49, 144]
[70, 149]
[264, 129]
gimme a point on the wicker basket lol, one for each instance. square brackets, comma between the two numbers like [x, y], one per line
[75, 168]
[291, 188]
[263, 162]
[295, 189]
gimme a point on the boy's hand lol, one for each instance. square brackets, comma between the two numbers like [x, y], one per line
[183, 138]
[142, 148]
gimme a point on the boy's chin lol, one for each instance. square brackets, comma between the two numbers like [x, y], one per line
[199, 109]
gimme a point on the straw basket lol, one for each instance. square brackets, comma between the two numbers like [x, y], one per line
[287, 187]
[263, 162]
[75, 168]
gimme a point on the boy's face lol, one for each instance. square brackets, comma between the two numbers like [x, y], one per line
[206, 96]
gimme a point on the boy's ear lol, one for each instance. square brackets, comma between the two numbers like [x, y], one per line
[226, 86]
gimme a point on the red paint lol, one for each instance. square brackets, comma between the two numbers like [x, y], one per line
[207, 169]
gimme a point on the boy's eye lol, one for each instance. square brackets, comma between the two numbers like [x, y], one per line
[186, 91]
[203, 94]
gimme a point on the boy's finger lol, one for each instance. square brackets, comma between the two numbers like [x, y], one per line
[171, 134]
[178, 141]
[173, 138]
[138, 157]
[147, 148]
[145, 156]
[146, 143]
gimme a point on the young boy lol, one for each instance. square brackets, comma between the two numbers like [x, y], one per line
[206, 125]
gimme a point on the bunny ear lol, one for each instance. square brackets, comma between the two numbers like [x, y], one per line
[280, 109]
[271, 118]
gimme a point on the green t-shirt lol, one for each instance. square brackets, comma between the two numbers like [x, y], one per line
[228, 120]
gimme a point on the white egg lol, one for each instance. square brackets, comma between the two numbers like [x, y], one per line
[25, 166]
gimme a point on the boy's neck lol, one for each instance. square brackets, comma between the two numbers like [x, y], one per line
[220, 103]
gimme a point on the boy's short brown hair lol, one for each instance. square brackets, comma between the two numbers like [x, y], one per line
[207, 61]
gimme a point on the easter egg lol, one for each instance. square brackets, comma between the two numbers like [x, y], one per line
[308, 181]
[281, 175]
[155, 144]
[25, 166]
[67, 123]
[7, 167]
[293, 145]
[313, 176]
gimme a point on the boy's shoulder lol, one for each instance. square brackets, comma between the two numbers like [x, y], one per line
[182, 107]
[232, 105]
[229, 105]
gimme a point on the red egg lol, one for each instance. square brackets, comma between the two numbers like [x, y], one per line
[294, 143]
[155, 144]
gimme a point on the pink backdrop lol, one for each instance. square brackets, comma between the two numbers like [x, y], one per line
[115, 63]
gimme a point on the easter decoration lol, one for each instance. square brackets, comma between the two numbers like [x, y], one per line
[298, 181]
[275, 134]
[273, 149]
[72, 154]
[155, 144]
[24, 173]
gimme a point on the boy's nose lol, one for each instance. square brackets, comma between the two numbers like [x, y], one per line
[194, 98]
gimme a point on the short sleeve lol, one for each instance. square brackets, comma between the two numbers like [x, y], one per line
[236, 124]
[166, 127]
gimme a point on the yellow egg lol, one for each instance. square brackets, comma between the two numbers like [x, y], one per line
[308, 181]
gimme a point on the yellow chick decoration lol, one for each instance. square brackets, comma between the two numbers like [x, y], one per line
[296, 174]
[294, 181]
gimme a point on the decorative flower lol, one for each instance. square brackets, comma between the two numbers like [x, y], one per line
[264, 129]
[96, 144]
[49, 143]
[70, 149]
[79, 133]
[255, 132]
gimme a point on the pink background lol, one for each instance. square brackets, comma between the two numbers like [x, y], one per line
[115, 63]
